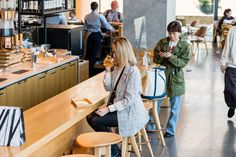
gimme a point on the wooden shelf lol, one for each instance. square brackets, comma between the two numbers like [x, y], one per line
[46, 13]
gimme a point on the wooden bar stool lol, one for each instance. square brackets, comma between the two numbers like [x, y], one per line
[79, 155]
[100, 141]
[156, 118]
[127, 143]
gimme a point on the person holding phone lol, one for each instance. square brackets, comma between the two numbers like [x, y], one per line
[173, 53]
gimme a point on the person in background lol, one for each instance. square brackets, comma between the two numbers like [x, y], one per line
[58, 19]
[72, 15]
[228, 67]
[173, 53]
[92, 28]
[227, 18]
[112, 15]
[125, 108]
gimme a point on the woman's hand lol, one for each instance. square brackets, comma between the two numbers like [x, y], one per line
[108, 63]
[161, 54]
[166, 54]
[102, 111]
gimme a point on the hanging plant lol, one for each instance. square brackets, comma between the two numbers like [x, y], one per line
[206, 6]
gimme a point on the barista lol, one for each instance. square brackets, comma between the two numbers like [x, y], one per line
[92, 23]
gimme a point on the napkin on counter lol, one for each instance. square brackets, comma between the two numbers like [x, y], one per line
[81, 103]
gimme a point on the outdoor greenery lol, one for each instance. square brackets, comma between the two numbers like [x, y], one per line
[206, 6]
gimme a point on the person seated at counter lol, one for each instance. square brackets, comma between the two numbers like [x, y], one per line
[226, 19]
[73, 18]
[92, 28]
[112, 15]
[58, 19]
[125, 108]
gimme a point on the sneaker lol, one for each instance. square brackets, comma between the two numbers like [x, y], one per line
[231, 112]
[168, 135]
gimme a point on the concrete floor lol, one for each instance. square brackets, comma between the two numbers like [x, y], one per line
[203, 129]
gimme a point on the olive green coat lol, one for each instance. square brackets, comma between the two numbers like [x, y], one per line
[174, 73]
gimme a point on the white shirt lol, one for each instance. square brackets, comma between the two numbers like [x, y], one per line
[228, 57]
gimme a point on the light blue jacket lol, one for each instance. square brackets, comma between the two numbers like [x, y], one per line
[131, 113]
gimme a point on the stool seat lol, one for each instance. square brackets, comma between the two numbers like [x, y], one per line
[79, 155]
[97, 139]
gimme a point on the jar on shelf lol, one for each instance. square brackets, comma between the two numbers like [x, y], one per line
[6, 28]
[3, 5]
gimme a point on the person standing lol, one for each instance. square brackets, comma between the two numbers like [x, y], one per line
[92, 28]
[228, 67]
[173, 53]
[112, 15]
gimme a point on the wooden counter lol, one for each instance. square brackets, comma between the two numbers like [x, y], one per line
[39, 67]
[51, 125]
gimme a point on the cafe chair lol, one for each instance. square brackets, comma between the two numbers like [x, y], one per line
[225, 29]
[100, 141]
[193, 27]
[199, 37]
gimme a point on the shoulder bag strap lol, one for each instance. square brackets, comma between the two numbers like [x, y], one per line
[118, 79]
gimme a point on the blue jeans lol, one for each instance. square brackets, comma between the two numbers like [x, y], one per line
[173, 118]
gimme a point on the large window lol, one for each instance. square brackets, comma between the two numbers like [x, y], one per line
[203, 7]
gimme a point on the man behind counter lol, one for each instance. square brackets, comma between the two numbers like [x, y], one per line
[58, 19]
[92, 27]
[112, 15]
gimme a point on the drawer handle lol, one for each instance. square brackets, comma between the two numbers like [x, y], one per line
[42, 77]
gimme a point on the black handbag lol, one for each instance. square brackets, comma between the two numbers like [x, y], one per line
[113, 94]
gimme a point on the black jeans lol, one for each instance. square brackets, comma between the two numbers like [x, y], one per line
[92, 49]
[103, 124]
[230, 87]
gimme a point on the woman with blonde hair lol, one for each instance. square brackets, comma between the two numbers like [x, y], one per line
[125, 108]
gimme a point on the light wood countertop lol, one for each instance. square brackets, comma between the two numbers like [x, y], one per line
[49, 119]
[38, 68]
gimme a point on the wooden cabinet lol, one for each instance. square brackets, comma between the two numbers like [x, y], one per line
[11, 95]
[41, 87]
[61, 78]
[22, 94]
[83, 71]
[36, 89]
[3, 98]
[29, 92]
[73, 73]
[52, 83]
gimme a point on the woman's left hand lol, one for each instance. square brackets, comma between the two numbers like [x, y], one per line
[102, 111]
[167, 55]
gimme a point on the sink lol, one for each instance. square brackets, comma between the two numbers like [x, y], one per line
[2, 79]
[20, 71]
